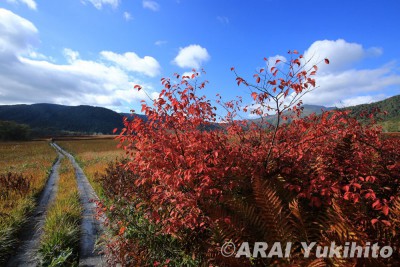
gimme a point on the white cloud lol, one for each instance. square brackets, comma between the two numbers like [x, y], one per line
[190, 74]
[360, 100]
[341, 54]
[192, 56]
[36, 55]
[100, 3]
[340, 83]
[127, 16]
[187, 73]
[223, 19]
[17, 35]
[70, 55]
[132, 62]
[79, 81]
[152, 5]
[30, 3]
[160, 42]
[272, 61]
[335, 88]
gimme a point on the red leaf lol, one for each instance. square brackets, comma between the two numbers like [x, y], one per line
[138, 87]
[254, 95]
[277, 61]
[115, 130]
[326, 61]
[376, 204]
[295, 52]
[227, 220]
[122, 230]
[385, 222]
[385, 210]
[232, 68]
[374, 221]
[258, 80]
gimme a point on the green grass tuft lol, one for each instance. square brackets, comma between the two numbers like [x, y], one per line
[60, 241]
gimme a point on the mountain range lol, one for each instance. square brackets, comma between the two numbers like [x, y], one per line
[53, 119]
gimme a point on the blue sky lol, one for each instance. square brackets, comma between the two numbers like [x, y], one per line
[93, 51]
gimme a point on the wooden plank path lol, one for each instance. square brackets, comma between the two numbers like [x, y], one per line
[91, 228]
[33, 230]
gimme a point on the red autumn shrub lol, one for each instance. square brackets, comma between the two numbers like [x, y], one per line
[187, 176]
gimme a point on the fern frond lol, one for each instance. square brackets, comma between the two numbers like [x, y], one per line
[309, 223]
[274, 212]
[395, 212]
[317, 263]
[342, 228]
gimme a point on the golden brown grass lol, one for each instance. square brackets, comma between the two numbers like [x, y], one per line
[60, 241]
[93, 156]
[33, 160]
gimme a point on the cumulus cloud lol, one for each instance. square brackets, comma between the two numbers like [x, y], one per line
[70, 55]
[341, 83]
[342, 55]
[100, 3]
[360, 100]
[39, 56]
[79, 81]
[190, 74]
[272, 61]
[152, 5]
[192, 56]
[17, 35]
[30, 3]
[132, 62]
[127, 16]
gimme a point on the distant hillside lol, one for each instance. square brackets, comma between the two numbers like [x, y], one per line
[307, 110]
[129, 115]
[391, 105]
[49, 119]
[391, 122]
[52, 119]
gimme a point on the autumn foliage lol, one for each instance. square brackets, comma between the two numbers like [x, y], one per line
[200, 183]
